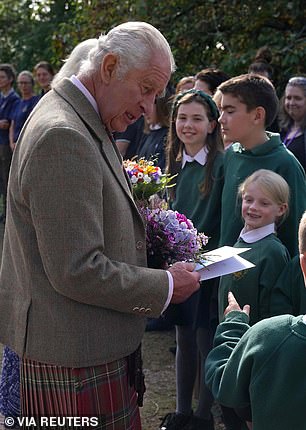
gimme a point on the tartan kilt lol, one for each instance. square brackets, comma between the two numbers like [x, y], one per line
[99, 391]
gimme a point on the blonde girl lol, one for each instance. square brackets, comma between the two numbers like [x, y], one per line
[265, 199]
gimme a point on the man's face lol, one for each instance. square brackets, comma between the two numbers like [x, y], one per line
[124, 100]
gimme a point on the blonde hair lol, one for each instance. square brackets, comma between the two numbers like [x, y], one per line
[302, 234]
[273, 185]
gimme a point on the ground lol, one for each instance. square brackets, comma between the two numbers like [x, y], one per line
[159, 369]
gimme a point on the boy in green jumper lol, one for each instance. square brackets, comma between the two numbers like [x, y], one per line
[248, 106]
[261, 367]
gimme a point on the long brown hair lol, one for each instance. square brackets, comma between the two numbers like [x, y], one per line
[174, 147]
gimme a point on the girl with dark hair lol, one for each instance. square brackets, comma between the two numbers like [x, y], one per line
[194, 152]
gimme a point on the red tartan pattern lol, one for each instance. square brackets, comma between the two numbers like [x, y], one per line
[99, 391]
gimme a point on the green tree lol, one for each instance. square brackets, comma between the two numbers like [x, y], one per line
[219, 33]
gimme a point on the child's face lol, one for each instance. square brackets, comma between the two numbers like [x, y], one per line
[258, 209]
[236, 122]
[193, 126]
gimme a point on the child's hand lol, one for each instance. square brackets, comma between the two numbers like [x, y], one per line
[234, 306]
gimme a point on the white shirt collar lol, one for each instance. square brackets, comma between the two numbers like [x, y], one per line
[200, 157]
[257, 234]
[155, 127]
[85, 91]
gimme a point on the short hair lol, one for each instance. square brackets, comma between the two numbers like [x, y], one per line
[44, 65]
[302, 234]
[285, 119]
[272, 184]
[134, 42]
[73, 62]
[212, 77]
[9, 70]
[28, 74]
[253, 91]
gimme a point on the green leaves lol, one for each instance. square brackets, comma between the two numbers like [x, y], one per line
[201, 34]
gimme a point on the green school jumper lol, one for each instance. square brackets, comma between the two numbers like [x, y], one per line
[262, 366]
[205, 212]
[240, 163]
[253, 286]
[289, 293]
[200, 310]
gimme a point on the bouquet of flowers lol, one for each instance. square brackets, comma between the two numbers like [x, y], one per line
[146, 178]
[171, 237]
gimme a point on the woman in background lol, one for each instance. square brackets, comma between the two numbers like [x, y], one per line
[44, 73]
[25, 82]
[292, 118]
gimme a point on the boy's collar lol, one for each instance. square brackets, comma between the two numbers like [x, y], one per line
[261, 149]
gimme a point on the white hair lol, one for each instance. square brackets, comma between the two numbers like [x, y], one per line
[134, 43]
[74, 61]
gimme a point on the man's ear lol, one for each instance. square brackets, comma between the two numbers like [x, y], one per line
[109, 67]
[303, 265]
[260, 115]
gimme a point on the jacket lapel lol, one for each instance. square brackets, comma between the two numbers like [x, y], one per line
[88, 115]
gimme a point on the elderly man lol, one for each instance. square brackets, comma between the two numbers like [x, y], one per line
[75, 290]
[260, 369]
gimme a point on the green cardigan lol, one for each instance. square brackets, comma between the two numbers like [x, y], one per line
[253, 286]
[262, 367]
[240, 163]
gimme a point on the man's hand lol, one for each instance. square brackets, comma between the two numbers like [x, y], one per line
[234, 306]
[185, 281]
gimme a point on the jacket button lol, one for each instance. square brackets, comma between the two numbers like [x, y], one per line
[139, 244]
[148, 310]
[136, 308]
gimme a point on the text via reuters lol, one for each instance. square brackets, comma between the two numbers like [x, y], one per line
[45, 422]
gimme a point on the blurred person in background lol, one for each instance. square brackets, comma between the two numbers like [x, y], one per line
[292, 118]
[184, 84]
[44, 73]
[25, 82]
[9, 100]
[209, 79]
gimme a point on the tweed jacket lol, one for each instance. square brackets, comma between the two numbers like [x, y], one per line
[74, 286]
